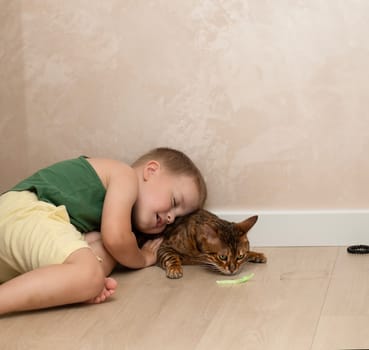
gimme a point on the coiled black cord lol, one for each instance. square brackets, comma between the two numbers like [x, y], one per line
[358, 249]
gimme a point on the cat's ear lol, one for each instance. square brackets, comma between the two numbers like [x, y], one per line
[247, 224]
[210, 234]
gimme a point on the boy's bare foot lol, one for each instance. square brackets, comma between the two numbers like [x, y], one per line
[109, 289]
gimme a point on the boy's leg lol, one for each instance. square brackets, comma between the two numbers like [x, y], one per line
[78, 279]
[54, 264]
[107, 263]
[95, 242]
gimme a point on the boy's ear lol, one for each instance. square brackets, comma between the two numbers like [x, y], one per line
[152, 167]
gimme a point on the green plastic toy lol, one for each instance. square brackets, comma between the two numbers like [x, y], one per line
[237, 281]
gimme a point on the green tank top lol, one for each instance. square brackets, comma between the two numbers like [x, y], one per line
[74, 184]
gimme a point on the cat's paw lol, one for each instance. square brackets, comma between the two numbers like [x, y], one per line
[174, 272]
[256, 258]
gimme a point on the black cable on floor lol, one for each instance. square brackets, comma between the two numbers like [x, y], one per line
[358, 249]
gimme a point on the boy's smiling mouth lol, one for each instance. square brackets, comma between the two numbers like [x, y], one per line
[159, 221]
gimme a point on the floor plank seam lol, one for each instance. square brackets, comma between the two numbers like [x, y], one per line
[324, 299]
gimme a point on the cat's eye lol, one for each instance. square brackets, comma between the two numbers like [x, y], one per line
[240, 256]
[222, 257]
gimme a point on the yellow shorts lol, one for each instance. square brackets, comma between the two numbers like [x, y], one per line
[33, 234]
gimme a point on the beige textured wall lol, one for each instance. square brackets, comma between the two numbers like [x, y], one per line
[13, 120]
[270, 98]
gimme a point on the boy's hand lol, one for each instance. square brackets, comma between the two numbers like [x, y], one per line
[150, 250]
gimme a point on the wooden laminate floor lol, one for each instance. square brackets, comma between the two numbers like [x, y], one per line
[304, 298]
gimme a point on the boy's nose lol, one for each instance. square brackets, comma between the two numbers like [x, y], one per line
[170, 218]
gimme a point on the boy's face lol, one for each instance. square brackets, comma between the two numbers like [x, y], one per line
[162, 197]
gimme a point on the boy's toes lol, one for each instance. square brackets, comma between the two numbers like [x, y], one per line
[109, 289]
[110, 283]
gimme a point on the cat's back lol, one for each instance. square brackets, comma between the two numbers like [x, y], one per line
[191, 223]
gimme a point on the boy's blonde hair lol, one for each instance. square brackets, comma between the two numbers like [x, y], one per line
[178, 164]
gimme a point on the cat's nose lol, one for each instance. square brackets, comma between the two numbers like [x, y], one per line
[232, 268]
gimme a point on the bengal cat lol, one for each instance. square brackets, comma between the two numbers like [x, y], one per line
[202, 238]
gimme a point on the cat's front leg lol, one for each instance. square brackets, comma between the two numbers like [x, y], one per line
[255, 257]
[171, 262]
[174, 271]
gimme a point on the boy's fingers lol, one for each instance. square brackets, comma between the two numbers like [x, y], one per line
[154, 244]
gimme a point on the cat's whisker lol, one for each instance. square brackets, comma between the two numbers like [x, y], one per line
[211, 266]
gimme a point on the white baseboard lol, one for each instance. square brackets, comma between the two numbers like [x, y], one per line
[305, 228]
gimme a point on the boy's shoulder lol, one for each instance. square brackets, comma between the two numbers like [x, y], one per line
[109, 163]
[109, 169]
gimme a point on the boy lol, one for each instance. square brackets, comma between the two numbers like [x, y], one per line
[45, 260]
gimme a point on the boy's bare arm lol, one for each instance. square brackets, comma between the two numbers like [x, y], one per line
[127, 252]
[116, 227]
[108, 263]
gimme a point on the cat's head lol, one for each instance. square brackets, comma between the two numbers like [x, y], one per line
[224, 245]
